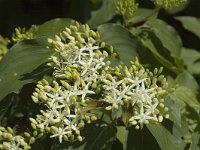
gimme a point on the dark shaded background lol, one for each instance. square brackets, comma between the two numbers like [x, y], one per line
[24, 13]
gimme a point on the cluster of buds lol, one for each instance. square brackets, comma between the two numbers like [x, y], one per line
[126, 8]
[10, 141]
[3, 46]
[66, 109]
[84, 82]
[138, 91]
[21, 34]
[167, 4]
[80, 50]
[78, 64]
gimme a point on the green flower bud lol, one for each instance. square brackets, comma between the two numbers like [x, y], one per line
[80, 138]
[32, 140]
[33, 126]
[160, 118]
[27, 134]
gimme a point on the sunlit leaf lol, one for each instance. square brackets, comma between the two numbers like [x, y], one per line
[187, 80]
[52, 27]
[122, 135]
[25, 57]
[120, 39]
[191, 59]
[103, 14]
[142, 14]
[174, 112]
[164, 138]
[184, 94]
[190, 23]
[22, 59]
[167, 35]
[195, 141]
[149, 44]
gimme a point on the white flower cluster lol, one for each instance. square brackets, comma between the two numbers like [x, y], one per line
[136, 89]
[10, 141]
[80, 48]
[84, 82]
[66, 110]
[80, 57]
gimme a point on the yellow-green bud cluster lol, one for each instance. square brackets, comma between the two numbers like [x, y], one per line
[21, 34]
[10, 141]
[136, 89]
[167, 4]
[3, 46]
[126, 8]
[78, 63]
[80, 48]
[66, 108]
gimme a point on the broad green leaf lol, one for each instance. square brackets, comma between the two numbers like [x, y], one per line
[195, 141]
[190, 23]
[22, 58]
[149, 44]
[142, 14]
[191, 59]
[167, 35]
[195, 68]
[122, 135]
[164, 138]
[181, 131]
[52, 27]
[141, 139]
[74, 148]
[26, 56]
[100, 137]
[120, 39]
[187, 80]
[184, 94]
[174, 113]
[105, 13]
[189, 55]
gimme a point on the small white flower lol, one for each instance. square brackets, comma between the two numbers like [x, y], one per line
[143, 94]
[142, 117]
[60, 133]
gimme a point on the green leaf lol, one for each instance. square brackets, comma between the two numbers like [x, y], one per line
[122, 135]
[121, 40]
[181, 131]
[25, 57]
[21, 59]
[191, 59]
[105, 13]
[190, 23]
[195, 141]
[141, 15]
[167, 35]
[184, 94]
[52, 27]
[74, 148]
[100, 137]
[187, 80]
[149, 44]
[164, 138]
[174, 113]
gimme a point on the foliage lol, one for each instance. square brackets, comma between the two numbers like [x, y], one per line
[124, 81]
[3, 46]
